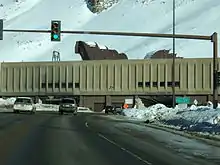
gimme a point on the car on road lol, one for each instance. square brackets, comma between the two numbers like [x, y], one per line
[113, 109]
[68, 105]
[24, 104]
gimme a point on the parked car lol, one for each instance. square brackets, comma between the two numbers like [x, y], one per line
[24, 104]
[109, 109]
[113, 109]
[68, 105]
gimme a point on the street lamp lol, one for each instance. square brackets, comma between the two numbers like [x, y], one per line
[173, 64]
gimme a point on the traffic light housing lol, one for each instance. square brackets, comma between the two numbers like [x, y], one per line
[55, 30]
[218, 79]
[1, 29]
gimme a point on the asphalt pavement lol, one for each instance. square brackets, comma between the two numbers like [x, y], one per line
[85, 139]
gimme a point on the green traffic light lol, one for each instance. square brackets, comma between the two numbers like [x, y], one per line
[55, 30]
[55, 36]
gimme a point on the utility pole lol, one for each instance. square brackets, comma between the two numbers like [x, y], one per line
[174, 52]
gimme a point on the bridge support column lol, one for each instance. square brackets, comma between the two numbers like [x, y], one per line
[81, 101]
[108, 100]
[209, 98]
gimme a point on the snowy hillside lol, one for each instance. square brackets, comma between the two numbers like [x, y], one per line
[193, 17]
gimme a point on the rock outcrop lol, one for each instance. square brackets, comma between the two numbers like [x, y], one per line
[97, 6]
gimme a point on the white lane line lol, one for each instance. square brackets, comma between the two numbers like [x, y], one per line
[86, 124]
[129, 152]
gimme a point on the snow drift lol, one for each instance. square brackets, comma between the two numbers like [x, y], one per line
[194, 118]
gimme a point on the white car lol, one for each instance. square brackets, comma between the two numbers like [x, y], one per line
[24, 104]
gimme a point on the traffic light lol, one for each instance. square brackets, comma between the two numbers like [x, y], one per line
[1, 29]
[55, 30]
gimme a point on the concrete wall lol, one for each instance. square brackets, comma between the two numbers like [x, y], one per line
[121, 77]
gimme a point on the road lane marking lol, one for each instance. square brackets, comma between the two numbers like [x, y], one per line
[125, 150]
[86, 124]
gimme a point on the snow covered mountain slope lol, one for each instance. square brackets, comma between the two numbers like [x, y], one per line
[193, 17]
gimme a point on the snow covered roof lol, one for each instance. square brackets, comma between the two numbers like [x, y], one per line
[94, 44]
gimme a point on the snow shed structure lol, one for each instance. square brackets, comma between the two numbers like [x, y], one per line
[94, 51]
[99, 82]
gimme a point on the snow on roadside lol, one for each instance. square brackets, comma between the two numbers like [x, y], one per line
[7, 102]
[46, 107]
[203, 119]
[52, 107]
[84, 109]
[150, 113]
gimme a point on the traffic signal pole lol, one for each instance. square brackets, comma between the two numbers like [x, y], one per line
[157, 35]
[1, 29]
[215, 70]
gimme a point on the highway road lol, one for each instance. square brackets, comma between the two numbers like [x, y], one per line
[90, 139]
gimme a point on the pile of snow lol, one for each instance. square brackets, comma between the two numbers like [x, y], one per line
[84, 109]
[138, 103]
[7, 102]
[46, 107]
[94, 44]
[194, 118]
[152, 113]
[52, 107]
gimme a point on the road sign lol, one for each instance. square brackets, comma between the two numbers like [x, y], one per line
[183, 100]
[129, 101]
[1, 29]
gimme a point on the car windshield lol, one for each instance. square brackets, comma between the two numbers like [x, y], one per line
[23, 101]
[68, 101]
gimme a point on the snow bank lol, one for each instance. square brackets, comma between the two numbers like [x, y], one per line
[7, 102]
[84, 109]
[194, 118]
[46, 107]
[52, 107]
[151, 113]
